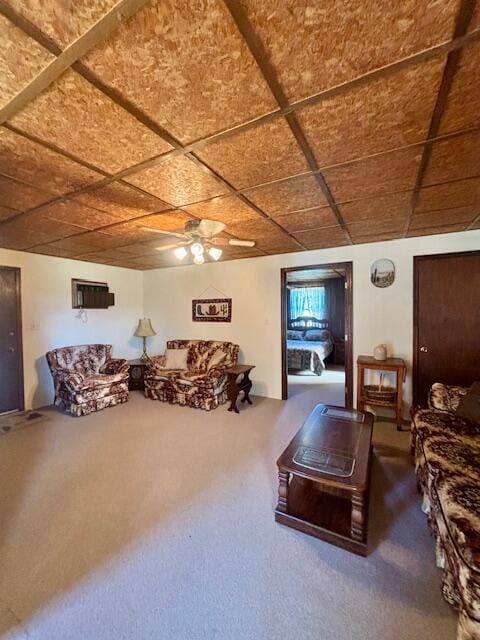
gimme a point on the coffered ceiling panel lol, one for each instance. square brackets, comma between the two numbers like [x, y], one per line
[311, 219]
[454, 158]
[122, 201]
[63, 20]
[131, 232]
[49, 250]
[389, 206]
[20, 196]
[323, 238]
[365, 230]
[458, 215]
[228, 210]
[308, 45]
[463, 193]
[74, 212]
[463, 104]
[388, 113]
[22, 58]
[33, 163]
[178, 181]
[174, 221]
[374, 176]
[6, 213]
[76, 117]
[186, 66]
[263, 153]
[283, 197]
[433, 231]
[299, 124]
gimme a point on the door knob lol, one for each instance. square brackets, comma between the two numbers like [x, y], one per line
[11, 349]
[424, 349]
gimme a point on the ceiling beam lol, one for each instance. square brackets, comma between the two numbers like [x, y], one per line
[260, 55]
[123, 10]
[463, 20]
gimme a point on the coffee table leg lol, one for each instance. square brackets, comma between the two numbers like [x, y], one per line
[282, 492]
[357, 528]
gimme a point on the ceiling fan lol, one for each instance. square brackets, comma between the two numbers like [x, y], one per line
[200, 237]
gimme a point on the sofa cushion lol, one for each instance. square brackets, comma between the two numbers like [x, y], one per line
[448, 457]
[429, 422]
[459, 501]
[216, 359]
[176, 359]
[469, 405]
[444, 397]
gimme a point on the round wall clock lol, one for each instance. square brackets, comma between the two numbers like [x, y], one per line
[382, 273]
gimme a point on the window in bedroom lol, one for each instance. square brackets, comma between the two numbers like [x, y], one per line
[307, 301]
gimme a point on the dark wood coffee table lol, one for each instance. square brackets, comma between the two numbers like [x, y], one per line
[324, 477]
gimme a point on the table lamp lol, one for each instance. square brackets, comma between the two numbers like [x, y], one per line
[144, 330]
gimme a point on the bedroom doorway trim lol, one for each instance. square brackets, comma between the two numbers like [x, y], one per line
[348, 268]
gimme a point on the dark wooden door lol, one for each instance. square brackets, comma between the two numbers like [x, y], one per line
[11, 373]
[446, 321]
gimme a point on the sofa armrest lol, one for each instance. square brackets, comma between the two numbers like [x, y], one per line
[443, 397]
[71, 379]
[155, 363]
[115, 365]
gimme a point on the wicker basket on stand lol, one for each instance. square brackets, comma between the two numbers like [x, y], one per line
[379, 393]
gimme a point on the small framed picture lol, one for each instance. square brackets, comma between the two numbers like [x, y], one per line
[212, 310]
[382, 273]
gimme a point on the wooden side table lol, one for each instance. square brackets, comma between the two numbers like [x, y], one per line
[234, 386]
[390, 364]
[136, 381]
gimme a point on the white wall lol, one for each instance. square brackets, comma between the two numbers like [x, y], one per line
[380, 315]
[49, 320]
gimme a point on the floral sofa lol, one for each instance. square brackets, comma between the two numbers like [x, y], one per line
[201, 385]
[87, 378]
[447, 463]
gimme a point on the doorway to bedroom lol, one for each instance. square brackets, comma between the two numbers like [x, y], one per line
[317, 353]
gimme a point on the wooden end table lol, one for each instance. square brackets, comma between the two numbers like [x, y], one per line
[234, 386]
[136, 380]
[398, 366]
[324, 477]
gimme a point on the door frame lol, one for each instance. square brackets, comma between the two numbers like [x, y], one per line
[417, 260]
[19, 333]
[348, 266]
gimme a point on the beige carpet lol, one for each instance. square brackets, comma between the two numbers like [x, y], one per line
[151, 521]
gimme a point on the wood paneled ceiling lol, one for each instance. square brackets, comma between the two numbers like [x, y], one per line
[300, 124]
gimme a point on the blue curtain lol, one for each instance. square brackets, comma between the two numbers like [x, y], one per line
[307, 301]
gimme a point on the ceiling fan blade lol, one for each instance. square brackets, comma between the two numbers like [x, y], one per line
[209, 228]
[165, 233]
[236, 242]
[219, 241]
[167, 247]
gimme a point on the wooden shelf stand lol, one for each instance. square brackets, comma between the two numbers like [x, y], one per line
[398, 366]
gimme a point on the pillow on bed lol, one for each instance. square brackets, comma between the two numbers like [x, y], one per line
[293, 334]
[317, 335]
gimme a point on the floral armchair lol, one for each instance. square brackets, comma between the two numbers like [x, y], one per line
[203, 384]
[87, 379]
[446, 449]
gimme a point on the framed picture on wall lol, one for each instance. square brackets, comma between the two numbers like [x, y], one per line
[212, 310]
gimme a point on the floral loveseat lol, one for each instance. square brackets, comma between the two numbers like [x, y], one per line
[87, 379]
[447, 462]
[201, 385]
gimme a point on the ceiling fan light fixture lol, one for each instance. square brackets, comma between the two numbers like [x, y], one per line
[197, 249]
[180, 253]
[215, 253]
[199, 259]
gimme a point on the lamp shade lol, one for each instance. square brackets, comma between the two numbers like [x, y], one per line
[144, 329]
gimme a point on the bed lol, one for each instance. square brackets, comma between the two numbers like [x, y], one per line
[309, 342]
